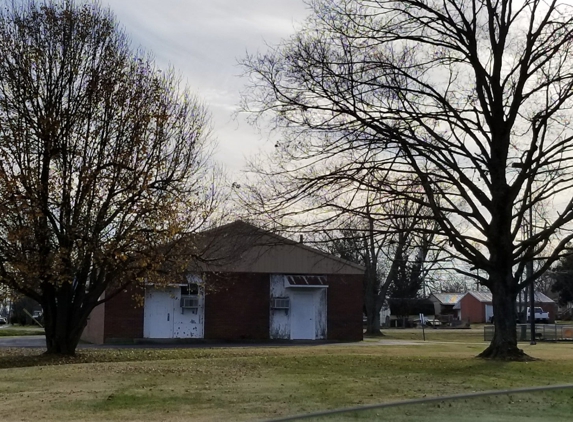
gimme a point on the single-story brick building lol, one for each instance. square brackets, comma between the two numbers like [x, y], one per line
[249, 285]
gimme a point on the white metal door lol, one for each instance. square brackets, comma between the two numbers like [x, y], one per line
[158, 314]
[303, 315]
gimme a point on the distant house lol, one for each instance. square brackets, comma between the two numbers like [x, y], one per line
[477, 307]
[444, 303]
[250, 285]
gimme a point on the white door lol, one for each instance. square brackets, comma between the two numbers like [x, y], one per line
[488, 312]
[158, 314]
[303, 315]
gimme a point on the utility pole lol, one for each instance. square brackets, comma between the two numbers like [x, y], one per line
[530, 274]
[529, 265]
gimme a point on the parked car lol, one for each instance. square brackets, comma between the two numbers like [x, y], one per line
[433, 322]
[540, 315]
[429, 322]
[3, 321]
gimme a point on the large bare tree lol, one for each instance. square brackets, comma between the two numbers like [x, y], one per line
[394, 245]
[473, 97]
[103, 158]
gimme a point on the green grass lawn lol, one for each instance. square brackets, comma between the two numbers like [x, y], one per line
[262, 383]
[17, 330]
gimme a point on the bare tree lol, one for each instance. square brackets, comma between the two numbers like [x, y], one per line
[396, 240]
[454, 286]
[561, 280]
[103, 158]
[472, 97]
[384, 248]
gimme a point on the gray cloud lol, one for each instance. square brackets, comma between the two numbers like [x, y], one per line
[203, 40]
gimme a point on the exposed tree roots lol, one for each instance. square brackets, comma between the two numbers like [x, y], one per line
[505, 353]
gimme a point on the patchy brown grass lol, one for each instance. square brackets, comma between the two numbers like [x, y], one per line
[256, 383]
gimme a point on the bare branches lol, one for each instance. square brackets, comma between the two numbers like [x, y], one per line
[449, 92]
[453, 91]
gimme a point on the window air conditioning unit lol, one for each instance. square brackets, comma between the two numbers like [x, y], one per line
[280, 303]
[189, 302]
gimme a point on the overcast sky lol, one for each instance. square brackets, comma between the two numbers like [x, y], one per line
[202, 40]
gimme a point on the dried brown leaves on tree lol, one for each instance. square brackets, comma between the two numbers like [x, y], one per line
[103, 157]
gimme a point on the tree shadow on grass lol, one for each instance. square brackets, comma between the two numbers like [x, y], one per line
[21, 358]
[29, 357]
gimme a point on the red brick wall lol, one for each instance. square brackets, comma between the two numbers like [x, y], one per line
[345, 307]
[124, 316]
[237, 306]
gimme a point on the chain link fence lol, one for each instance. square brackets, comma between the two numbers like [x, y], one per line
[543, 332]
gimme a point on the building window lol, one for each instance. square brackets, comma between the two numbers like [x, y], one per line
[191, 289]
[280, 303]
[190, 298]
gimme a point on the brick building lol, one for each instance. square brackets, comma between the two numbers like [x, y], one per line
[249, 285]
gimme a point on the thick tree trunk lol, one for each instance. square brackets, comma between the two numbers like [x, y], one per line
[63, 327]
[373, 301]
[62, 345]
[372, 317]
[504, 343]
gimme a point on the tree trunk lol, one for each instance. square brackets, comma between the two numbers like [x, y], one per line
[372, 317]
[504, 343]
[373, 322]
[62, 345]
[374, 300]
[63, 327]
